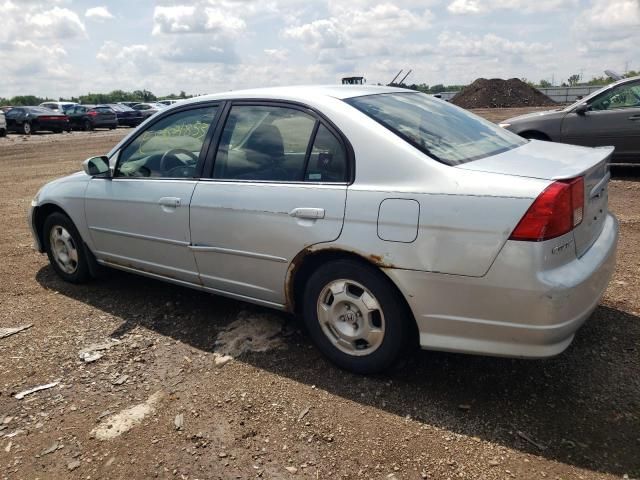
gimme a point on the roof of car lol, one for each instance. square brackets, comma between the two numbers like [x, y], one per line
[302, 92]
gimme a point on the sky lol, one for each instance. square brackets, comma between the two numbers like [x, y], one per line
[61, 48]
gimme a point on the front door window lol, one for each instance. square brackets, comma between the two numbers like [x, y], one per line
[622, 96]
[170, 148]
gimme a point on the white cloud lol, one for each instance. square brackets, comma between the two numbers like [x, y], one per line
[59, 23]
[98, 13]
[277, 54]
[178, 19]
[360, 28]
[609, 26]
[464, 7]
[133, 60]
[459, 44]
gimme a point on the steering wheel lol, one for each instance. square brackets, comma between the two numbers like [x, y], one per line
[170, 160]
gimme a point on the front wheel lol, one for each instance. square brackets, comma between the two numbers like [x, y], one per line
[356, 317]
[26, 128]
[65, 248]
[3, 132]
[86, 126]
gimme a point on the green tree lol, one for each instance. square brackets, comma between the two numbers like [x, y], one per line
[573, 80]
[544, 83]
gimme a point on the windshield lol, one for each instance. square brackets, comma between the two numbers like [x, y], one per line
[446, 133]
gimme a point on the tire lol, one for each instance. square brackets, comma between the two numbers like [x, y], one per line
[57, 131]
[68, 254]
[341, 288]
[3, 132]
[86, 126]
[26, 128]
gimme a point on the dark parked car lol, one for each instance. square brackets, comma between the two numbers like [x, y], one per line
[126, 116]
[29, 120]
[88, 117]
[148, 109]
[610, 116]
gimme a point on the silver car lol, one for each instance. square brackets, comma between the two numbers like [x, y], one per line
[382, 217]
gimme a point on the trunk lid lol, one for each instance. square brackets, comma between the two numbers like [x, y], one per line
[553, 161]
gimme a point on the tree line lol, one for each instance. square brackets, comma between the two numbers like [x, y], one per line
[94, 98]
[147, 96]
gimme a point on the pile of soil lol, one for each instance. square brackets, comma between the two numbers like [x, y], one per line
[498, 93]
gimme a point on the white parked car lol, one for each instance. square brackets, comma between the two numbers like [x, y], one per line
[382, 217]
[60, 107]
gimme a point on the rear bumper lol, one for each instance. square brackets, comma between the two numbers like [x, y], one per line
[514, 310]
[53, 124]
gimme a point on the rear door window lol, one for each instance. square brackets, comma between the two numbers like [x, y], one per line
[328, 158]
[264, 143]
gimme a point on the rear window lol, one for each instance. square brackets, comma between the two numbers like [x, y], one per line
[446, 133]
[42, 110]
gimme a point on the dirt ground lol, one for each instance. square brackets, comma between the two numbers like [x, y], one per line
[157, 381]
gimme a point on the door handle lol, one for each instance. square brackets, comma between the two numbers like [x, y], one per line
[634, 117]
[171, 202]
[311, 213]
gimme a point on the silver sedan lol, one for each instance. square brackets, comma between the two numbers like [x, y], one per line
[383, 218]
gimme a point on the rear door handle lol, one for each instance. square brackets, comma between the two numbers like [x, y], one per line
[634, 117]
[171, 202]
[311, 213]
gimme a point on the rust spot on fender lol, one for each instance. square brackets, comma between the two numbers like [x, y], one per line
[377, 259]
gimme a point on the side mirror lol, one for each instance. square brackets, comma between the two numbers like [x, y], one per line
[582, 108]
[96, 166]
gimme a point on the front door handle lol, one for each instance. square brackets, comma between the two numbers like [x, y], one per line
[311, 213]
[634, 117]
[170, 202]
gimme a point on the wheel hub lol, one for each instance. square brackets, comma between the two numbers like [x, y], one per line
[63, 249]
[351, 317]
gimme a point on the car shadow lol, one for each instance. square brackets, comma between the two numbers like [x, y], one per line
[580, 408]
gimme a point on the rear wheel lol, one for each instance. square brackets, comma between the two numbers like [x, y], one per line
[26, 128]
[3, 132]
[86, 126]
[355, 316]
[65, 248]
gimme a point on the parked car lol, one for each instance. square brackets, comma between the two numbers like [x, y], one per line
[382, 217]
[28, 120]
[88, 117]
[128, 104]
[3, 125]
[6, 108]
[148, 109]
[126, 116]
[168, 103]
[609, 116]
[60, 107]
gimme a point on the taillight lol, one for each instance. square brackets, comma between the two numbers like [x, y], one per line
[92, 113]
[556, 211]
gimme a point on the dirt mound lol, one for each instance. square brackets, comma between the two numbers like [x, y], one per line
[498, 93]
